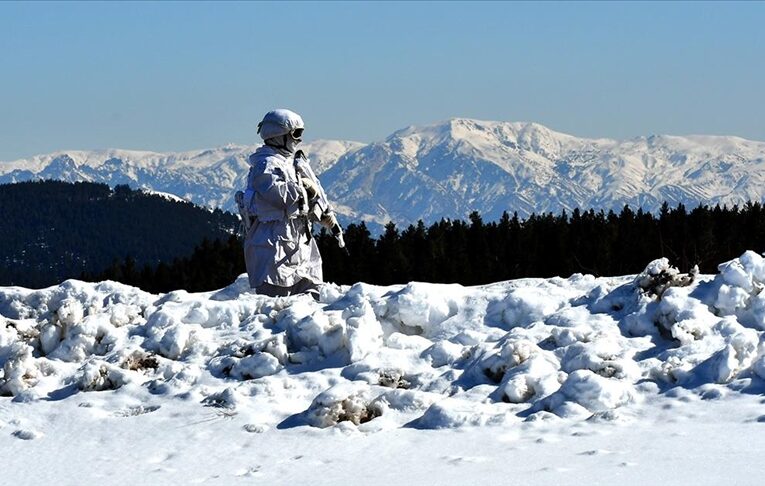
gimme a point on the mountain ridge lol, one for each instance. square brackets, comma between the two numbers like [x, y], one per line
[450, 168]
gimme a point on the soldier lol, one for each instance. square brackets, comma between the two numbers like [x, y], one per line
[281, 255]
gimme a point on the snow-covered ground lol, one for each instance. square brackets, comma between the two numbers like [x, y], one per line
[640, 379]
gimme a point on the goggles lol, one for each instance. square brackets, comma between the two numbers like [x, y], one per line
[297, 133]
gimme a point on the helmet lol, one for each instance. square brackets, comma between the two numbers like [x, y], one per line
[280, 122]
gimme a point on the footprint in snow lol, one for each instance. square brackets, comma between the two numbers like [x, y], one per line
[456, 460]
[204, 480]
[25, 434]
[554, 469]
[162, 457]
[134, 411]
[596, 452]
[547, 440]
[255, 428]
[248, 472]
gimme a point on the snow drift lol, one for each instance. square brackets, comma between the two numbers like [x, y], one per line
[417, 355]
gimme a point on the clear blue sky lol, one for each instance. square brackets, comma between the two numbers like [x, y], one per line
[180, 76]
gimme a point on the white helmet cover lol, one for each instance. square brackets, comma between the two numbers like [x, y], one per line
[279, 122]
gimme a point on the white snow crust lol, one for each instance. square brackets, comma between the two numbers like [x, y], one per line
[499, 364]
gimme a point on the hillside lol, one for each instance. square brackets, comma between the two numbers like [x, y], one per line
[53, 230]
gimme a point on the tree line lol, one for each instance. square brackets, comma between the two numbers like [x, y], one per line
[54, 230]
[473, 252]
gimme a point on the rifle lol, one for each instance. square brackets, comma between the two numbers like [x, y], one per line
[242, 202]
[319, 207]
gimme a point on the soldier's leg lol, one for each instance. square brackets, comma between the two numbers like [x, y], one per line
[304, 286]
[272, 290]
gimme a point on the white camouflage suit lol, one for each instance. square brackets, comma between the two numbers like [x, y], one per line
[281, 256]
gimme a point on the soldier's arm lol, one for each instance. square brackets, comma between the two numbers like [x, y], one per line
[277, 194]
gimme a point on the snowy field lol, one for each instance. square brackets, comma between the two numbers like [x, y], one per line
[649, 379]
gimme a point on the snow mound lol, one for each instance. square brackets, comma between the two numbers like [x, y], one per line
[417, 355]
[343, 402]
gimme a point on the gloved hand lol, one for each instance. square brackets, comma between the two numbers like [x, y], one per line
[310, 187]
[329, 221]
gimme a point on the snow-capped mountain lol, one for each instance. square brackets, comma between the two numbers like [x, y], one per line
[206, 177]
[450, 168]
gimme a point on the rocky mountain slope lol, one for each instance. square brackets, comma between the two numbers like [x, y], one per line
[450, 168]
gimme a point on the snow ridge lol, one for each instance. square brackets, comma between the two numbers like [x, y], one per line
[417, 355]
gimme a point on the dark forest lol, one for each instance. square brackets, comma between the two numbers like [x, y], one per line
[52, 230]
[476, 252]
